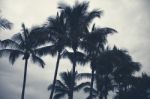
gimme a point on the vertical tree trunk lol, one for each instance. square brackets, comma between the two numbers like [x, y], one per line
[24, 79]
[55, 76]
[69, 96]
[105, 96]
[91, 86]
[74, 69]
[101, 95]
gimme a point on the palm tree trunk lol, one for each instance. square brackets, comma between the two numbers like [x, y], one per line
[100, 96]
[74, 69]
[69, 96]
[105, 96]
[91, 86]
[55, 76]
[24, 79]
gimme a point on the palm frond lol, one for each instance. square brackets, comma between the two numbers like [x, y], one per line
[80, 57]
[80, 76]
[38, 60]
[59, 88]
[92, 15]
[80, 86]
[18, 38]
[58, 82]
[52, 50]
[67, 78]
[59, 95]
[9, 43]
[40, 35]
[13, 54]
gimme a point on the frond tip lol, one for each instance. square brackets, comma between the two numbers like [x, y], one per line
[38, 60]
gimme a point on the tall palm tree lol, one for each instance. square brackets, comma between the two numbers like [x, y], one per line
[58, 27]
[22, 44]
[64, 86]
[78, 19]
[56, 38]
[5, 24]
[93, 44]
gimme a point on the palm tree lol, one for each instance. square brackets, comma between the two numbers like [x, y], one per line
[116, 66]
[56, 37]
[22, 44]
[78, 19]
[139, 88]
[125, 67]
[5, 24]
[104, 69]
[64, 86]
[93, 44]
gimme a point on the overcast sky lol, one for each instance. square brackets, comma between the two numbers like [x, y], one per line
[129, 17]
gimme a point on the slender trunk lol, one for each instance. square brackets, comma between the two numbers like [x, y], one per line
[120, 91]
[55, 76]
[91, 86]
[105, 96]
[100, 96]
[69, 96]
[74, 69]
[24, 79]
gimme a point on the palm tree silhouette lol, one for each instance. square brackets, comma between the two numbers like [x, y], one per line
[125, 67]
[64, 86]
[116, 67]
[93, 44]
[22, 44]
[78, 19]
[139, 88]
[104, 69]
[55, 34]
[58, 26]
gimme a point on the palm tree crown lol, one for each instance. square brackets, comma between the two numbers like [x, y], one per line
[63, 86]
[22, 44]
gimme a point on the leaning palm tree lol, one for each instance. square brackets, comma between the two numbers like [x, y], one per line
[78, 20]
[59, 40]
[21, 44]
[64, 86]
[55, 36]
[5, 24]
[93, 44]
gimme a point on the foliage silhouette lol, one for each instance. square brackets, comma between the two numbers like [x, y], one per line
[21, 44]
[64, 86]
[93, 44]
[78, 20]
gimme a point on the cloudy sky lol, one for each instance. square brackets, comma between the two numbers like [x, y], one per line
[129, 17]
